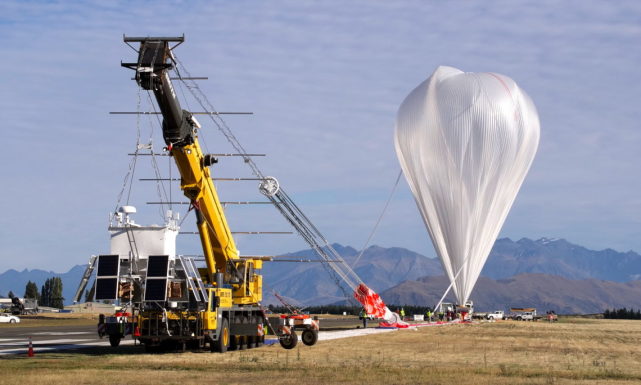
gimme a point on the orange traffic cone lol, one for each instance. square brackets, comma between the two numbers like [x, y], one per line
[136, 332]
[30, 351]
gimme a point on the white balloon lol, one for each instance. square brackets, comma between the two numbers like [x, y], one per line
[465, 142]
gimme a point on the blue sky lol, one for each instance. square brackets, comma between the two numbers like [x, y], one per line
[324, 80]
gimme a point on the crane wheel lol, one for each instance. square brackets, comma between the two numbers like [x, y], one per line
[242, 342]
[233, 343]
[309, 337]
[114, 340]
[289, 341]
[222, 343]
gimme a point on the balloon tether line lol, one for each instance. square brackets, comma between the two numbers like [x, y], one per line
[398, 178]
[452, 283]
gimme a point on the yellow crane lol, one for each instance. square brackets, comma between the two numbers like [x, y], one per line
[174, 303]
[228, 315]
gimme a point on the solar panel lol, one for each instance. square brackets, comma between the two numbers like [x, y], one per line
[106, 288]
[157, 277]
[157, 266]
[107, 277]
[108, 265]
[156, 289]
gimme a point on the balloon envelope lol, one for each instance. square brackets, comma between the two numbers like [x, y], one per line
[465, 142]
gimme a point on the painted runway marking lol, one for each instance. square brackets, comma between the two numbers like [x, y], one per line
[59, 341]
[25, 341]
[39, 349]
[60, 333]
[20, 343]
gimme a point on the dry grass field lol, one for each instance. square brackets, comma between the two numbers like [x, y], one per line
[584, 351]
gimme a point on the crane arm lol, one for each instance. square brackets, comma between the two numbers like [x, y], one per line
[179, 129]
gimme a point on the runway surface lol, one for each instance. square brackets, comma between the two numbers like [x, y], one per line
[14, 340]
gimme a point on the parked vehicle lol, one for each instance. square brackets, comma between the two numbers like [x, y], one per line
[551, 316]
[526, 316]
[523, 314]
[8, 318]
[21, 306]
[497, 315]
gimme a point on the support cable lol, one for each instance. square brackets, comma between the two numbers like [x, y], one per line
[160, 186]
[129, 176]
[292, 213]
[452, 282]
[389, 199]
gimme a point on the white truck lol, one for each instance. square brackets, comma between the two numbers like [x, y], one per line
[497, 315]
[525, 314]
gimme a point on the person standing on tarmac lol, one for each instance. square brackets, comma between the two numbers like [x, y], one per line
[428, 315]
[402, 314]
[363, 316]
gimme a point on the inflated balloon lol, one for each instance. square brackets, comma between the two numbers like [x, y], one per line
[465, 142]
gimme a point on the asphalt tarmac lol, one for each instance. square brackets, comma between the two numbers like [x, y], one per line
[14, 340]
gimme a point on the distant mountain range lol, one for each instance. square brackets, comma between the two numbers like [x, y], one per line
[542, 291]
[545, 273]
[562, 258]
[380, 268]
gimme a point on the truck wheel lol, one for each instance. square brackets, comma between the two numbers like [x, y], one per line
[114, 340]
[222, 343]
[252, 340]
[310, 337]
[242, 342]
[289, 341]
[12, 321]
[233, 343]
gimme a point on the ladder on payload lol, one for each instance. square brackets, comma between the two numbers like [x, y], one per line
[194, 281]
[85, 278]
[132, 246]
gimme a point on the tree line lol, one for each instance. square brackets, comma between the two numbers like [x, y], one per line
[622, 313]
[49, 295]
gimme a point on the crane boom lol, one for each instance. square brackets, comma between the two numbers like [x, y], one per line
[179, 129]
[155, 59]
